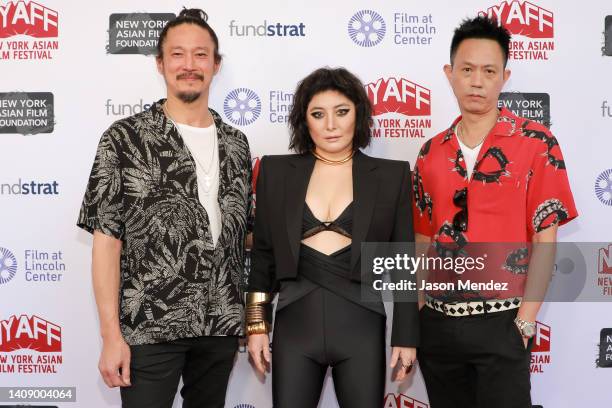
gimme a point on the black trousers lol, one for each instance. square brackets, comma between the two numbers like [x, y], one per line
[474, 361]
[323, 329]
[204, 363]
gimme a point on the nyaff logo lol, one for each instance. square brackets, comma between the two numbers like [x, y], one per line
[527, 20]
[32, 333]
[30, 345]
[524, 19]
[30, 19]
[397, 98]
[604, 267]
[540, 352]
[402, 401]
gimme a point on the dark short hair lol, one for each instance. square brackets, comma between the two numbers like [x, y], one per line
[189, 16]
[481, 27]
[329, 79]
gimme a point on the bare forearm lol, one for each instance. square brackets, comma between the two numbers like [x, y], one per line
[106, 256]
[539, 273]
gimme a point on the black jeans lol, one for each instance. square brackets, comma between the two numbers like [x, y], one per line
[204, 363]
[474, 361]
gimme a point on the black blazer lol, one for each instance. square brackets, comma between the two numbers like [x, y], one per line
[381, 213]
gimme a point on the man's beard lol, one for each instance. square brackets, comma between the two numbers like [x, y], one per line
[188, 97]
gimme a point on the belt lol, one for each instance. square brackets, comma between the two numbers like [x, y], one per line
[472, 307]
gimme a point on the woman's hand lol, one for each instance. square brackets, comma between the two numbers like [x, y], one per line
[403, 358]
[259, 350]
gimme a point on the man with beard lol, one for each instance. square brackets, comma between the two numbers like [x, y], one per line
[167, 203]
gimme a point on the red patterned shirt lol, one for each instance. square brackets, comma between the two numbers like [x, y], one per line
[519, 187]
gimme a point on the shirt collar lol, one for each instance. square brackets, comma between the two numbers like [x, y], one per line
[159, 116]
[505, 126]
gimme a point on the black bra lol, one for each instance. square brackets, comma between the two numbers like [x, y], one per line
[343, 225]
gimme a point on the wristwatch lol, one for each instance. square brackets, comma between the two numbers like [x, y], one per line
[527, 329]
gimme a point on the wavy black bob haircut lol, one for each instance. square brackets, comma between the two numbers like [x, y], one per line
[329, 79]
[189, 16]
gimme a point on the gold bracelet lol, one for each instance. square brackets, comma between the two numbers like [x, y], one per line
[257, 297]
[255, 313]
[258, 328]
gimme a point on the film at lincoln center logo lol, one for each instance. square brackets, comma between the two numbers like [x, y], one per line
[603, 187]
[242, 106]
[367, 28]
[8, 265]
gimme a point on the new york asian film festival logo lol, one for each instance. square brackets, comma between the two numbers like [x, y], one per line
[8, 265]
[604, 270]
[540, 351]
[401, 108]
[531, 26]
[242, 106]
[367, 28]
[30, 344]
[603, 187]
[402, 401]
[28, 19]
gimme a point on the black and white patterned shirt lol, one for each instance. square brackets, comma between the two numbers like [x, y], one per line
[143, 190]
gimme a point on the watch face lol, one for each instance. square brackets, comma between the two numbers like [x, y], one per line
[529, 330]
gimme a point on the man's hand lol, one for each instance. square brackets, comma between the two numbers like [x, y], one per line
[403, 358]
[114, 362]
[259, 350]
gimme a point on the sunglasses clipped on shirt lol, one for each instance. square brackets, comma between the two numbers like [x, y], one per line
[460, 220]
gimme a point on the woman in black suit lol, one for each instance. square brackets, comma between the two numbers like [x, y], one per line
[314, 209]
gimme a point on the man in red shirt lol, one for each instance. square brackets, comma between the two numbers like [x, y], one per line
[492, 177]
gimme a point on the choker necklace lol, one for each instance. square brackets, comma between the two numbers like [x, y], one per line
[333, 162]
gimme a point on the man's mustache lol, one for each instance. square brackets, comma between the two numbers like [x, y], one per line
[190, 76]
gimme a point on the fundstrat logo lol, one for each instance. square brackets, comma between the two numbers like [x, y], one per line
[531, 22]
[404, 105]
[29, 19]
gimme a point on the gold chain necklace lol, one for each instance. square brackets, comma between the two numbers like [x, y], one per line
[333, 162]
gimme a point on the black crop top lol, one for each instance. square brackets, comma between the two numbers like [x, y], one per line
[343, 225]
